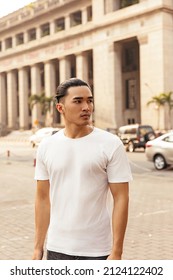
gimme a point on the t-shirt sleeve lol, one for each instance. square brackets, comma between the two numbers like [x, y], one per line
[118, 168]
[41, 172]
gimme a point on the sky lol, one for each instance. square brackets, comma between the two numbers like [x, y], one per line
[9, 6]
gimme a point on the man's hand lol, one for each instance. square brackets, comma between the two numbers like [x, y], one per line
[38, 255]
[113, 256]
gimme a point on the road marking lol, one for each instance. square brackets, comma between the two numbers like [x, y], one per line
[156, 212]
[139, 167]
[152, 213]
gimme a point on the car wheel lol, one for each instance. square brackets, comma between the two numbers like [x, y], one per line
[131, 147]
[159, 162]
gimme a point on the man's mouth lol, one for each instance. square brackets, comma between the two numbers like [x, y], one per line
[85, 115]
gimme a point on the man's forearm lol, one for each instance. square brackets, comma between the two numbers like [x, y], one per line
[119, 223]
[120, 193]
[42, 219]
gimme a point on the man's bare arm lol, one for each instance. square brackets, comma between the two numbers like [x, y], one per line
[42, 217]
[120, 193]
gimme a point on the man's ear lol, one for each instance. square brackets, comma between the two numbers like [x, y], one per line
[59, 107]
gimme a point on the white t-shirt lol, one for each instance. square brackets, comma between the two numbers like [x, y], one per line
[79, 171]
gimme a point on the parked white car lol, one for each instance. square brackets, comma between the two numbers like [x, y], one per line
[160, 151]
[40, 134]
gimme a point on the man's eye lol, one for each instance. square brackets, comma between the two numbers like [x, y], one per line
[77, 101]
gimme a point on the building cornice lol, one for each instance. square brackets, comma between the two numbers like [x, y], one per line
[30, 12]
[89, 28]
[41, 8]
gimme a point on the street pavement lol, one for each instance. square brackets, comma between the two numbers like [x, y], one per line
[150, 225]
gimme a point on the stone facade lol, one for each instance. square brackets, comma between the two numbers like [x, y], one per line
[126, 54]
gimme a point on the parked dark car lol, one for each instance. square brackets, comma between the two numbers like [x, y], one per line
[136, 135]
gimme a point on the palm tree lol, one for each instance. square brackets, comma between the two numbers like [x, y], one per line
[158, 101]
[44, 102]
[167, 98]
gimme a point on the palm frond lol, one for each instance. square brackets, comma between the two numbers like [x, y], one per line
[44, 101]
[157, 99]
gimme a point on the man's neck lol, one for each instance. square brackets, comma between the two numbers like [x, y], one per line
[77, 132]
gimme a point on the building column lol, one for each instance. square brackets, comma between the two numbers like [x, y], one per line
[108, 6]
[49, 78]
[104, 76]
[26, 37]
[3, 46]
[84, 16]
[64, 69]
[23, 98]
[38, 32]
[149, 51]
[64, 74]
[3, 103]
[50, 88]
[36, 89]
[67, 22]
[98, 10]
[52, 27]
[82, 66]
[14, 41]
[12, 99]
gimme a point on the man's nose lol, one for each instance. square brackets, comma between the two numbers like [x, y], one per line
[85, 106]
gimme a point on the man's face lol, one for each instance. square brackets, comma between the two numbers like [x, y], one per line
[77, 107]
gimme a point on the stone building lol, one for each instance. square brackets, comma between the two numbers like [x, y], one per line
[124, 49]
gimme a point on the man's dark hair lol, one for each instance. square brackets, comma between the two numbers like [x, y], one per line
[62, 89]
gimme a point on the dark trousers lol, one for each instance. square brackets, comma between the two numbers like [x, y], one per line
[59, 256]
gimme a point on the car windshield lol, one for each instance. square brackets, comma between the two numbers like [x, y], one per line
[130, 130]
[145, 129]
[169, 139]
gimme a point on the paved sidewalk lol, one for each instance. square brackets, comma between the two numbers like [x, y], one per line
[17, 189]
[150, 227]
[17, 136]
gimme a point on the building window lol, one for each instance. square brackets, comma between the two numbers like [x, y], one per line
[76, 18]
[8, 43]
[114, 5]
[19, 39]
[32, 34]
[45, 29]
[89, 13]
[126, 3]
[130, 58]
[131, 93]
[59, 24]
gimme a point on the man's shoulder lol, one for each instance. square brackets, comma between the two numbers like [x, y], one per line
[50, 140]
[105, 134]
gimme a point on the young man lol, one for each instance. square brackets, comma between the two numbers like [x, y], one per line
[75, 169]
